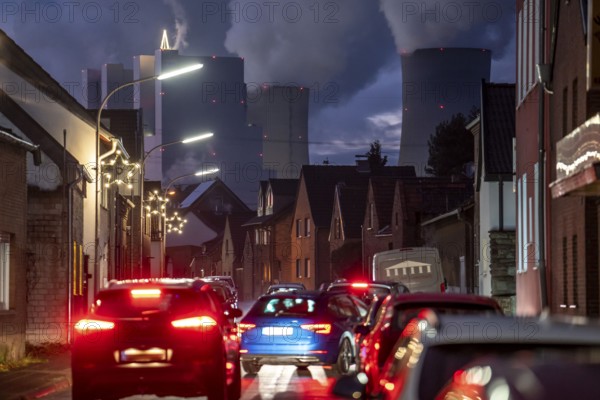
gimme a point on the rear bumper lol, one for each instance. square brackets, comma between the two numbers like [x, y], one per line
[285, 359]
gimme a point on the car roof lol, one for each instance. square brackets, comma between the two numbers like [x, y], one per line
[309, 294]
[156, 282]
[444, 298]
[440, 329]
[286, 284]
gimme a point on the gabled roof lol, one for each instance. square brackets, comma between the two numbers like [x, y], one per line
[321, 180]
[17, 60]
[196, 194]
[284, 193]
[238, 231]
[383, 196]
[352, 209]
[498, 129]
[432, 196]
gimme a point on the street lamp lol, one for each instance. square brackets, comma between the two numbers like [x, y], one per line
[166, 75]
[199, 173]
[164, 221]
[192, 139]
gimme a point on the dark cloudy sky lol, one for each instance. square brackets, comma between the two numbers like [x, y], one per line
[346, 51]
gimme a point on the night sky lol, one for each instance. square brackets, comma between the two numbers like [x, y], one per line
[346, 51]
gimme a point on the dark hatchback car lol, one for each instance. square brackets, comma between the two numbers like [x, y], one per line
[165, 337]
[226, 294]
[301, 328]
[367, 291]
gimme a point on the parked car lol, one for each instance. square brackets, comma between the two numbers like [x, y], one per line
[367, 290]
[434, 348]
[225, 293]
[222, 278]
[362, 329]
[301, 328]
[285, 287]
[525, 376]
[396, 311]
[163, 336]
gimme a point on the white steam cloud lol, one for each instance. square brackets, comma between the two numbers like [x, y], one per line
[181, 24]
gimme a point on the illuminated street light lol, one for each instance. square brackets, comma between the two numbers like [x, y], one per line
[166, 75]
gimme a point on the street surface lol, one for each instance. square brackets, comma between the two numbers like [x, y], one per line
[272, 383]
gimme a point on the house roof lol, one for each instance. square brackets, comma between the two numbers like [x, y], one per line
[432, 196]
[383, 197]
[352, 209]
[498, 128]
[321, 181]
[238, 231]
[16, 59]
[196, 193]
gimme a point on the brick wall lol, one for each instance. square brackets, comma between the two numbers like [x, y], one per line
[48, 271]
[503, 268]
[13, 215]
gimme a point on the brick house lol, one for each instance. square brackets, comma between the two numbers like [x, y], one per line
[345, 236]
[62, 201]
[14, 251]
[232, 249]
[267, 246]
[573, 129]
[197, 252]
[311, 258]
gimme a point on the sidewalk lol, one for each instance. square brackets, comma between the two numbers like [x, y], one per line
[37, 380]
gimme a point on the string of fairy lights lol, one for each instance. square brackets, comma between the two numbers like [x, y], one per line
[118, 171]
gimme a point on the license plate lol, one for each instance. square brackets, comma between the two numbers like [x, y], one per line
[278, 331]
[147, 355]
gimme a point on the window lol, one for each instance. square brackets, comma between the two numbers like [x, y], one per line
[574, 105]
[298, 227]
[298, 272]
[226, 246]
[337, 229]
[4, 270]
[307, 268]
[269, 209]
[565, 110]
[575, 272]
[564, 272]
[307, 227]
[371, 214]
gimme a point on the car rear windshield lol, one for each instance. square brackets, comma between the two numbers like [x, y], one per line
[284, 306]
[121, 303]
[362, 291]
[441, 362]
[405, 312]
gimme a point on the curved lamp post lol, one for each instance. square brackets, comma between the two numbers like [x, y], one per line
[171, 182]
[192, 139]
[166, 75]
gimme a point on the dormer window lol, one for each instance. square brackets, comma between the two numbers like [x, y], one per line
[269, 208]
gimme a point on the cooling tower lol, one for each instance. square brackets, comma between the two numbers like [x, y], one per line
[437, 83]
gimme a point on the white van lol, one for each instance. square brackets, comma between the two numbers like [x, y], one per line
[419, 268]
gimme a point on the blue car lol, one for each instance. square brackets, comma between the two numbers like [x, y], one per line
[301, 328]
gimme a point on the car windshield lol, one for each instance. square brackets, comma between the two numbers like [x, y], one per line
[121, 303]
[442, 361]
[282, 306]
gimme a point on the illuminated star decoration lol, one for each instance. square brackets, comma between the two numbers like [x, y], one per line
[156, 205]
[175, 223]
[119, 171]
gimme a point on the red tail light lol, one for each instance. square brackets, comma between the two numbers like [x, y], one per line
[245, 327]
[443, 287]
[93, 325]
[194, 323]
[324, 329]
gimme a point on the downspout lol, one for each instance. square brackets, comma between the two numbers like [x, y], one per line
[541, 162]
[70, 251]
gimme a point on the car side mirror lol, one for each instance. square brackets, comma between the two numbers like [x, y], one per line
[362, 329]
[234, 313]
[351, 386]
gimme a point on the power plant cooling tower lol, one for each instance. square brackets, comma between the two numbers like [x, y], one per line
[437, 83]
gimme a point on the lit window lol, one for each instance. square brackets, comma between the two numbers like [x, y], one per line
[4, 270]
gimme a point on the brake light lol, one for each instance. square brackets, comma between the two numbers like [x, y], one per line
[324, 329]
[361, 285]
[245, 327]
[194, 322]
[145, 293]
[93, 325]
